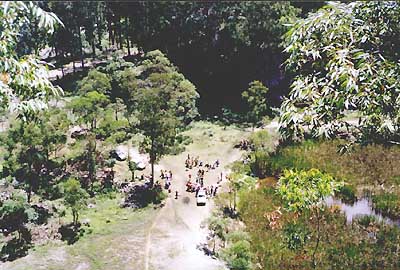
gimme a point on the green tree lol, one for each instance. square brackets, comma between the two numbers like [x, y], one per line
[305, 190]
[28, 145]
[158, 125]
[255, 97]
[95, 81]
[345, 58]
[74, 197]
[89, 107]
[238, 255]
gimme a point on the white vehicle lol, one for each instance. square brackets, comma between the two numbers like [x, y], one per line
[201, 198]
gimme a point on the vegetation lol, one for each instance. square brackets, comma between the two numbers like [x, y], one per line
[149, 71]
[255, 98]
[344, 60]
[24, 82]
[75, 198]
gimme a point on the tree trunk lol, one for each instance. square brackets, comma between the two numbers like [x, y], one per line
[80, 48]
[152, 173]
[127, 35]
[314, 265]
[93, 48]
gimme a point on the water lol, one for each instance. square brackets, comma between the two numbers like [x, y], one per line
[361, 207]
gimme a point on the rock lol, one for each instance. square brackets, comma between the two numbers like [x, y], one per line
[86, 222]
[91, 205]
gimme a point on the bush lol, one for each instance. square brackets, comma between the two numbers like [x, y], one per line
[238, 255]
[347, 194]
[260, 163]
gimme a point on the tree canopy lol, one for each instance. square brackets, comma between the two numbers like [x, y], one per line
[345, 58]
[24, 82]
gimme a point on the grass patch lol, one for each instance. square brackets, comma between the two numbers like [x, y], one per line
[388, 204]
[368, 165]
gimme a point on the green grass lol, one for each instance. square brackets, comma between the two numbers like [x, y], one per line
[388, 204]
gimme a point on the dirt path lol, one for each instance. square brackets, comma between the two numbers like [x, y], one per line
[176, 232]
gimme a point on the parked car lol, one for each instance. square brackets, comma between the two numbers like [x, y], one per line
[201, 198]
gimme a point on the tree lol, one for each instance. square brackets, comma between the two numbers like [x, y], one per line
[305, 190]
[345, 58]
[132, 166]
[24, 81]
[158, 125]
[89, 107]
[75, 198]
[255, 97]
[95, 81]
[29, 146]
[54, 125]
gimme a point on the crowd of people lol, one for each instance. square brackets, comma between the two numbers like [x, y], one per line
[195, 184]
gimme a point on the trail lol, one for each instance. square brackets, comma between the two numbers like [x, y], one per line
[177, 231]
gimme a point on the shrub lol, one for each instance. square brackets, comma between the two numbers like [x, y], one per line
[238, 255]
[347, 194]
[260, 163]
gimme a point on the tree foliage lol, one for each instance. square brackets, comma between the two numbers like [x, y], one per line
[345, 58]
[255, 97]
[301, 190]
[74, 197]
[24, 82]
[157, 123]
[29, 147]
[95, 81]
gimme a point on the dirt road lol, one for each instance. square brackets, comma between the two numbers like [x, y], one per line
[176, 232]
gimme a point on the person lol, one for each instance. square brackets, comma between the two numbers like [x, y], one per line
[162, 174]
[197, 190]
[217, 163]
[215, 191]
[170, 175]
[212, 190]
[176, 194]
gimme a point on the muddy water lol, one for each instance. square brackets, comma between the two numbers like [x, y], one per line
[361, 207]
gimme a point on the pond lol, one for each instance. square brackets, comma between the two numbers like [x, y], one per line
[361, 207]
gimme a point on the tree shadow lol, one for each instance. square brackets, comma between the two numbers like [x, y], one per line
[71, 233]
[140, 196]
[17, 247]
